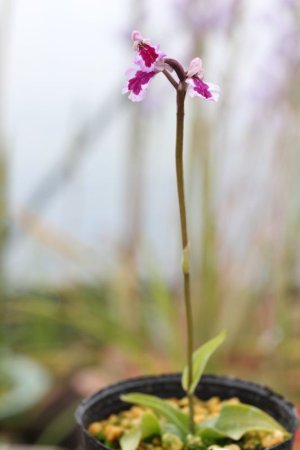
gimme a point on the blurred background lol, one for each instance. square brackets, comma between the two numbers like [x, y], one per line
[90, 281]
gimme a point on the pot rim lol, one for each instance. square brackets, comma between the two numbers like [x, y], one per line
[226, 380]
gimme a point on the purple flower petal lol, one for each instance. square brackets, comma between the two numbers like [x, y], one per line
[195, 68]
[147, 54]
[137, 84]
[198, 88]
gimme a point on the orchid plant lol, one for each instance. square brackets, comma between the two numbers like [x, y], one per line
[150, 61]
[234, 420]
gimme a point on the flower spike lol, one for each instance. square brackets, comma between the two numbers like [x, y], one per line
[150, 61]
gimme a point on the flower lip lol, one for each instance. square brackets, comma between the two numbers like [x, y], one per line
[199, 88]
[147, 54]
[137, 84]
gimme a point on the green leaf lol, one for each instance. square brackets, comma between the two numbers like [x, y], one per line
[236, 420]
[131, 439]
[200, 358]
[211, 435]
[160, 406]
[148, 427]
[170, 428]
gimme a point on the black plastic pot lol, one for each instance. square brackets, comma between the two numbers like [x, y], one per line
[107, 401]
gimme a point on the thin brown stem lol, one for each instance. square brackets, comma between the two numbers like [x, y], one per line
[170, 78]
[177, 67]
[181, 92]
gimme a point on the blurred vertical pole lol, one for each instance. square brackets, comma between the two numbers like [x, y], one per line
[207, 276]
[5, 9]
[134, 187]
[133, 195]
[285, 330]
[134, 166]
[206, 280]
[284, 200]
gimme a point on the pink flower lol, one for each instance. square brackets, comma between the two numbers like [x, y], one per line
[197, 87]
[137, 84]
[150, 61]
[148, 56]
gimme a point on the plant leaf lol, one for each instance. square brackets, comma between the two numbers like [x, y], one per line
[211, 435]
[171, 428]
[236, 420]
[200, 358]
[149, 426]
[175, 416]
[131, 439]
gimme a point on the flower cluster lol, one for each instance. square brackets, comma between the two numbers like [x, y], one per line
[150, 61]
